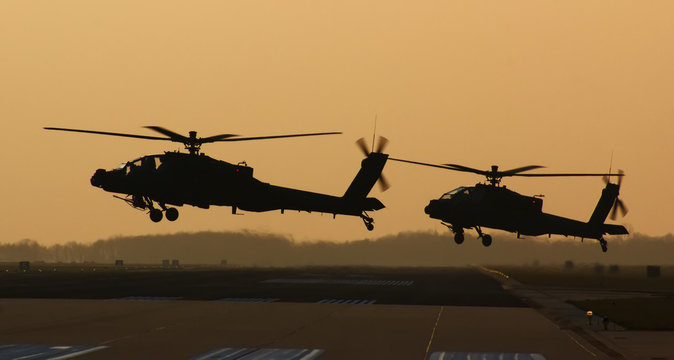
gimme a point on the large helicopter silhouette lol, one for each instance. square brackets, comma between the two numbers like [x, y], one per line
[493, 206]
[154, 182]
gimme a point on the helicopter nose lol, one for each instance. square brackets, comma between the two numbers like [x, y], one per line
[97, 178]
[431, 205]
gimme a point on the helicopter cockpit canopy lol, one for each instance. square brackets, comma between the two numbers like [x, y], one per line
[460, 190]
[151, 162]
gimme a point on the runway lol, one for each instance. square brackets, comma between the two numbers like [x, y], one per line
[416, 314]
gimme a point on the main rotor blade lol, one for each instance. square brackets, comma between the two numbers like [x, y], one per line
[173, 135]
[109, 133]
[565, 174]
[466, 169]
[216, 138]
[277, 136]
[421, 163]
[520, 169]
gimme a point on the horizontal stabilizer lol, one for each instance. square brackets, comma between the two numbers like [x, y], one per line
[614, 229]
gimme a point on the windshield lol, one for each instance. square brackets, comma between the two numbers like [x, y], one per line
[147, 162]
[454, 192]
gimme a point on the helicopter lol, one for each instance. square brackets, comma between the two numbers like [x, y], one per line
[494, 206]
[157, 183]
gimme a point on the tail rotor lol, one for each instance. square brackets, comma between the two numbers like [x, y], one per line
[381, 145]
[618, 205]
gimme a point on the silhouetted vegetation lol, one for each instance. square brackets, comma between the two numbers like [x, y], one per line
[405, 249]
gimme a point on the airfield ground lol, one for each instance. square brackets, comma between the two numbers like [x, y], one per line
[329, 312]
[624, 294]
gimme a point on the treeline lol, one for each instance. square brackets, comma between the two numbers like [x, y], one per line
[404, 249]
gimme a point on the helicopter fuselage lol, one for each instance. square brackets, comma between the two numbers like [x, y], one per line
[497, 207]
[178, 179]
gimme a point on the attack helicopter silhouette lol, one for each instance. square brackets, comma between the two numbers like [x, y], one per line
[153, 183]
[494, 206]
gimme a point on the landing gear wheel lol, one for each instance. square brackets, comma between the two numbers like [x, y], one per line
[486, 240]
[171, 214]
[156, 215]
[604, 245]
[458, 238]
[367, 221]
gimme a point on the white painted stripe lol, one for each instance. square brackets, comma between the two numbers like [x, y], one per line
[216, 352]
[312, 355]
[260, 354]
[29, 356]
[449, 355]
[82, 352]
[232, 353]
[347, 301]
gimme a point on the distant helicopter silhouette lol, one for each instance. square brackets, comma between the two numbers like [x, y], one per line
[493, 206]
[153, 182]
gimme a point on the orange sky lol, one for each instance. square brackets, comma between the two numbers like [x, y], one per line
[562, 84]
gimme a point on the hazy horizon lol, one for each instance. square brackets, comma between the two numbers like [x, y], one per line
[404, 249]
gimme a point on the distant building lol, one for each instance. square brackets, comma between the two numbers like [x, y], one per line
[24, 266]
[175, 263]
[653, 271]
[165, 263]
[119, 262]
[598, 268]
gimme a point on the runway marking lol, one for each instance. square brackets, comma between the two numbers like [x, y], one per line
[437, 320]
[82, 352]
[581, 345]
[147, 298]
[248, 300]
[116, 339]
[444, 355]
[260, 353]
[38, 352]
[339, 282]
[346, 301]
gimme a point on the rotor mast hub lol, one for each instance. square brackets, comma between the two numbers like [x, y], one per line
[192, 144]
[494, 178]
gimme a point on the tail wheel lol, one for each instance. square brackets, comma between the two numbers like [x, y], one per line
[458, 238]
[486, 240]
[156, 215]
[171, 214]
[368, 221]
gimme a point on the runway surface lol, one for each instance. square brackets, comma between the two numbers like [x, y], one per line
[321, 313]
[411, 286]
